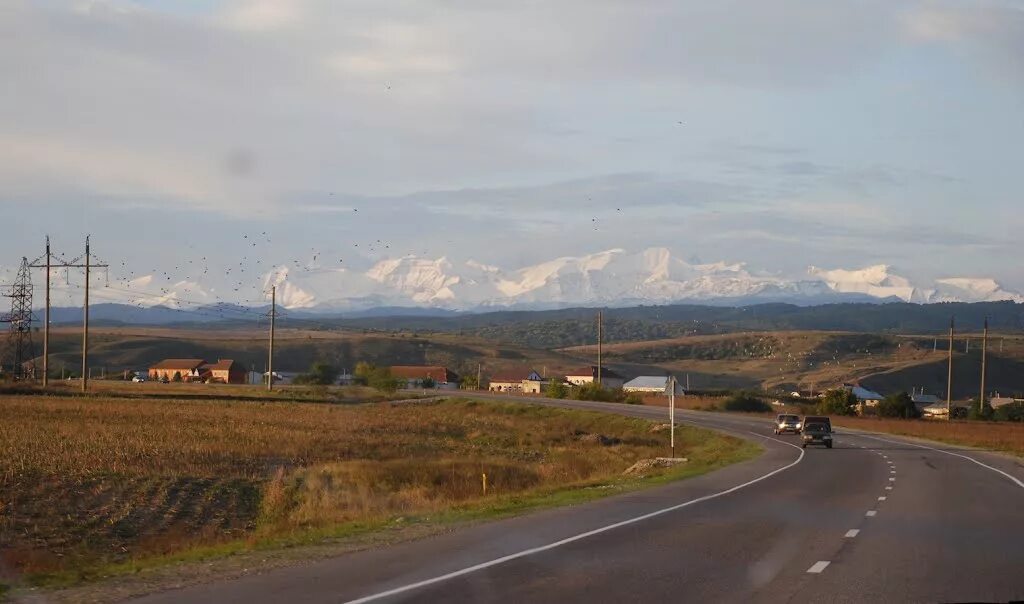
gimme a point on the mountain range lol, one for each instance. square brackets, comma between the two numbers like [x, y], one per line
[609, 278]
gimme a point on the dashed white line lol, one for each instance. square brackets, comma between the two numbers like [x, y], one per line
[818, 566]
[892, 479]
[882, 498]
[850, 534]
[871, 513]
[1013, 479]
[889, 488]
[892, 471]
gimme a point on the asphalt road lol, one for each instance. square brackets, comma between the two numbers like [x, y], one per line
[875, 519]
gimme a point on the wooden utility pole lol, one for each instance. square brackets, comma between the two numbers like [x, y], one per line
[270, 354]
[479, 376]
[600, 318]
[949, 378]
[46, 321]
[984, 354]
[85, 323]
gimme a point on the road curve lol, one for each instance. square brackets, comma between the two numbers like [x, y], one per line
[876, 519]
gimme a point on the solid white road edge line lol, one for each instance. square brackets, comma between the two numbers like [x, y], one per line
[1012, 478]
[852, 533]
[819, 566]
[581, 536]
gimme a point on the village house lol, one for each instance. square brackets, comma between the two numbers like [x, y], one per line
[415, 375]
[525, 381]
[168, 369]
[588, 375]
[224, 371]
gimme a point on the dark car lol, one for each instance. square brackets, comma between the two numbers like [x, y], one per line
[817, 434]
[815, 419]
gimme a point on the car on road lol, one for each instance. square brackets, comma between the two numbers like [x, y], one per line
[814, 419]
[787, 423]
[817, 434]
[138, 379]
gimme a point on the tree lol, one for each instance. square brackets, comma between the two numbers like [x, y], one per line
[362, 373]
[838, 402]
[468, 382]
[177, 376]
[898, 405]
[978, 412]
[428, 383]
[320, 374]
[747, 403]
[556, 389]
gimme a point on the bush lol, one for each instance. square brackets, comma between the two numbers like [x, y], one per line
[428, 382]
[595, 392]
[746, 403]
[556, 389]
[177, 376]
[1014, 412]
[634, 398]
[898, 405]
[837, 402]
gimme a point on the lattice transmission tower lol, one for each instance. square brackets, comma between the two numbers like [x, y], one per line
[21, 353]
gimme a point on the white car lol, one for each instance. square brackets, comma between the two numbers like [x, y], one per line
[138, 379]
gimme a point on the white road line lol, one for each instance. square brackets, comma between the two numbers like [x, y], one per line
[888, 488]
[1012, 478]
[819, 566]
[882, 498]
[892, 471]
[850, 534]
[871, 513]
[581, 536]
[892, 479]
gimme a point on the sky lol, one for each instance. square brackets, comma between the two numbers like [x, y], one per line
[781, 134]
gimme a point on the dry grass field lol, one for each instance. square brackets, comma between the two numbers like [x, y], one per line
[92, 484]
[997, 436]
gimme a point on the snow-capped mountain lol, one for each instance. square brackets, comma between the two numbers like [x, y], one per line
[611, 277]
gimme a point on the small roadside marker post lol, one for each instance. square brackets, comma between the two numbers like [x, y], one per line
[483, 480]
[672, 414]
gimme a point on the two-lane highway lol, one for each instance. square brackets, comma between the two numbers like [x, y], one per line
[876, 518]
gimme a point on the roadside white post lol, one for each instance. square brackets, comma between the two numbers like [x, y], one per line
[672, 413]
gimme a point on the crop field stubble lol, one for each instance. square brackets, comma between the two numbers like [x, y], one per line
[91, 483]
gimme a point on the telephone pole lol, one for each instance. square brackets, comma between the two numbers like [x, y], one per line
[85, 322]
[949, 378]
[46, 321]
[984, 354]
[270, 356]
[600, 318]
[87, 263]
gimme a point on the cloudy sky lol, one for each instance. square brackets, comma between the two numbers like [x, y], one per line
[777, 133]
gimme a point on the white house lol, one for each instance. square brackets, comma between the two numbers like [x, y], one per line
[588, 375]
[526, 380]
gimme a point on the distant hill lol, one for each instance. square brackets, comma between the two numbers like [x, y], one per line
[576, 326]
